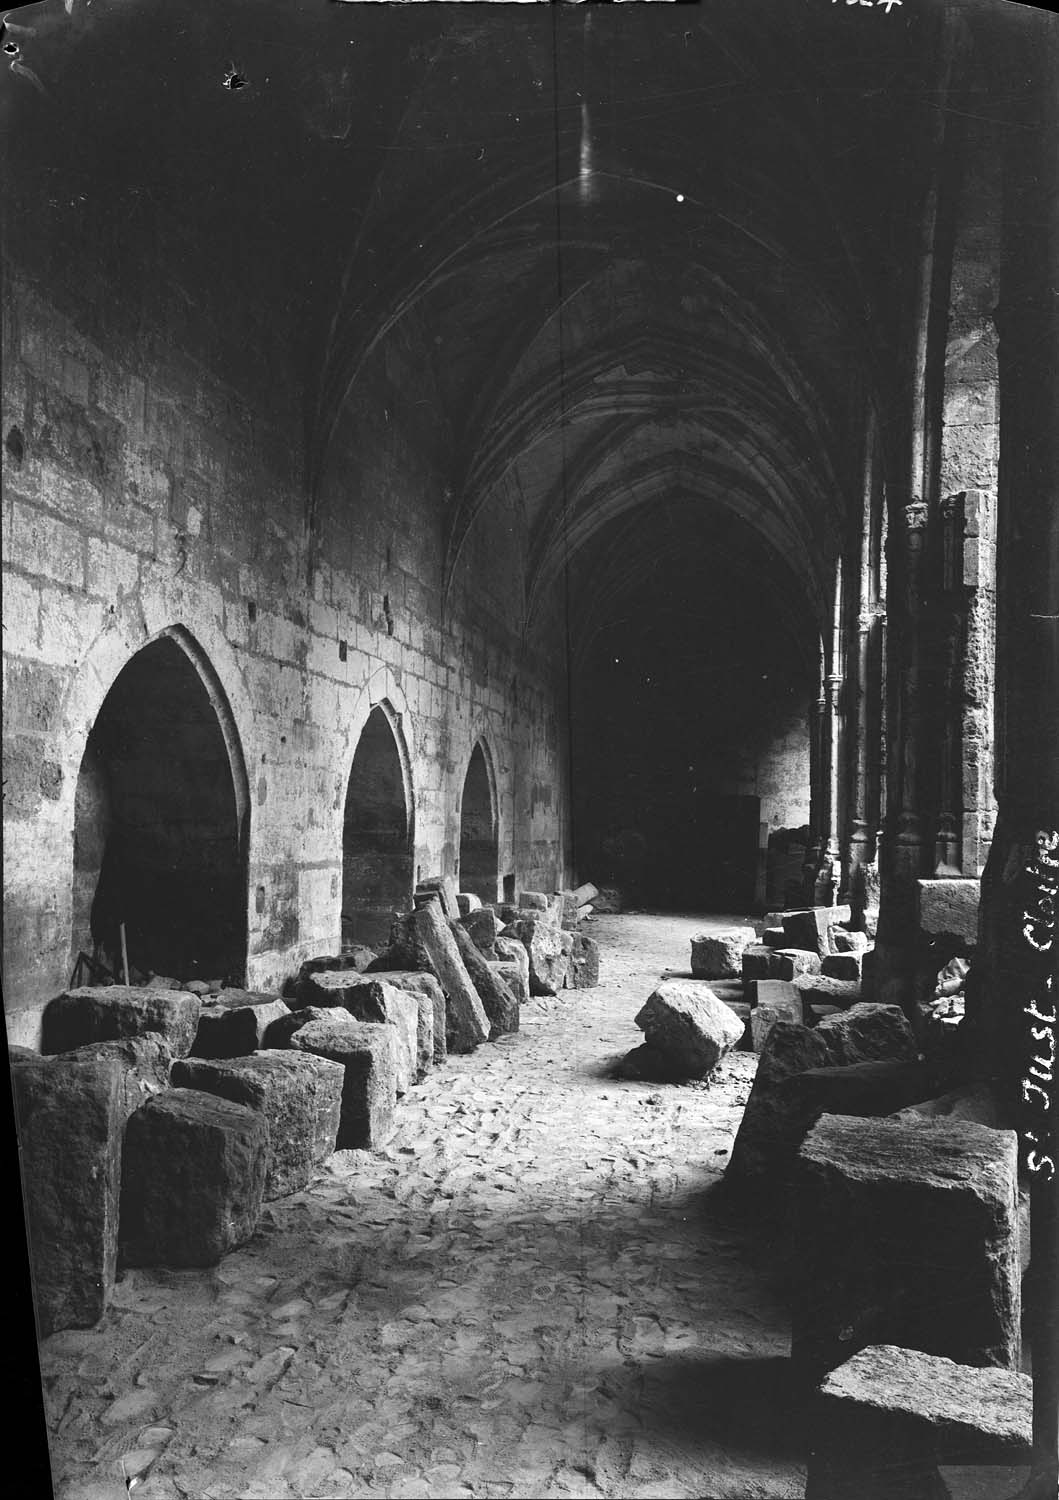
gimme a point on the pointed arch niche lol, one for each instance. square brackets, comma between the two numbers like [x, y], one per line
[376, 833]
[479, 833]
[161, 814]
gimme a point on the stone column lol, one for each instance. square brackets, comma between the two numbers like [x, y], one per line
[949, 617]
[817, 782]
[829, 875]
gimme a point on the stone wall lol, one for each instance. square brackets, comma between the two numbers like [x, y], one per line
[144, 494]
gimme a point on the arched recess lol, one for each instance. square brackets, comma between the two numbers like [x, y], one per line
[479, 869]
[377, 831]
[161, 815]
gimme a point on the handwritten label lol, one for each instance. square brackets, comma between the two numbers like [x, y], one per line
[886, 5]
[1038, 933]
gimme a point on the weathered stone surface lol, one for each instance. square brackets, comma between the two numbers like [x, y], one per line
[764, 1016]
[425, 942]
[977, 1102]
[809, 929]
[816, 989]
[816, 1013]
[300, 1096]
[84, 1015]
[511, 950]
[689, 1026]
[719, 955]
[548, 965]
[278, 1033]
[145, 1063]
[368, 1051]
[949, 909]
[371, 997]
[499, 1002]
[766, 1125]
[774, 937]
[193, 1179]
[849, 942]
[430, 997]
[566, 943]
[467, 902]
[514, 977]
[793, 961]
[444, 887]
[233, 1023]
[584, 962]
[905, 1234]
[780, 994]
[869, 1032]
[69, 1113]
[533, 901]
[163, 982]
[882, 1422]
[756, 962]
[763, 962]
[483, 927]
[841, 966]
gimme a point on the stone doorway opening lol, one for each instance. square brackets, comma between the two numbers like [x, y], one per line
[376, 837]
[479, 840]
[159, 819]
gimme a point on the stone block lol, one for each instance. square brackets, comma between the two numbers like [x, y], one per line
[809, 929]
[300, 1096]
[498, 1001]
[444, 888]
[193, 1179]
[817, 989]
[584, 962]
[533, 901]
[70, 1112]
[371, 997]
[467, 902]
[145, 1063]
[791, 962]
[757, 962]
[278, 1033]
[513, 977]
[430, 998]
[841, 966]
[548, 964]
[904, 1234]
[974, 1101]
[767, 1125]
[949, 909]
[424, 941]
[368, 1052]
[774, 937]
[511, 950]
[687, 1024]
[779, 994]
[719, 955]
[816, 1013]
[483, 927]
[233, 1023]
[869, 1032]
[849, 942]
[882, 1423]
[109, 1014]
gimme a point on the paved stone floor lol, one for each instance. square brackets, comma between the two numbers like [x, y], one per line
[534, 1291]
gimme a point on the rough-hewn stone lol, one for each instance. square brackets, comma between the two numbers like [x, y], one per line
[868, 1032]
[809, 929]
[193, 1179]
[584, 962]
[424, 941]
[975, 1101]
[371, 997]
[905, 1234]
[514, 977]
[145, 1062]
[763, 962]
[499, 1002]
[719, 955]
[444, 888]
[849, 942]
[687, 1024]
[300, 1096]
[548, 966]
[949, 909]
[775, 937]
[368, 1051]
[69, 1114]
[484, 927]
[107, 1014]
[817, 989]
[431, 998]
[278, 1033]
[233, 1023]
[841, 966]
[766, 1124]
[467, 902]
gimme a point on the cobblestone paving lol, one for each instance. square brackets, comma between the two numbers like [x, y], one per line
[531, 1292]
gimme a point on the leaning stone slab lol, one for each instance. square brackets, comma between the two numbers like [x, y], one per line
[719, 955]
[108, 1014]
[368, 1053]
[687, 1024]
[498, 1001]
[768, 1120]
[513, 977]
[299, 1095]
[444, 888]
[584, 962]
[817, 989]
[193, 1179]
[548, 964]
[70, 1112]
[882, 1423]
[233, 1023]
[483, 927]
[905, 1234]
[869, 1032]
[424, 941]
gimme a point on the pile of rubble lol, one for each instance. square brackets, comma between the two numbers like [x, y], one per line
[158, 1119]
